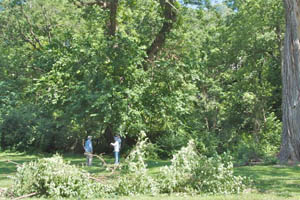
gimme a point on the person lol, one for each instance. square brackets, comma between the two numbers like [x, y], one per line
[116, 146]
[120, 141]
[88, 147]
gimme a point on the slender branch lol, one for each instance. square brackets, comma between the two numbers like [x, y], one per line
[31, 28]
[101, 159]
[25, 38]
[95, 179]
[9, 161]
[25, 196]
[114, 169]
[48, 28]
[101, 3]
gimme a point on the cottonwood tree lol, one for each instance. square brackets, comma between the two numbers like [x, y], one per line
[290, 146]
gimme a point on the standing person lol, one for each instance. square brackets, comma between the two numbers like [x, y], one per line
[116, 146]
[120, 141]
[88, 147]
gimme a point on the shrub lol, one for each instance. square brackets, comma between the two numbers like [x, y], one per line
[247, 151]
[136, 179]
[191, 172]
[30, 128]
[51, 177]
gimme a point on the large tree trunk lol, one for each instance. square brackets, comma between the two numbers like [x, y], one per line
[290, 146]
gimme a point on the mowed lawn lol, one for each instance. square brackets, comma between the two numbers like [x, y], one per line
[272, 182]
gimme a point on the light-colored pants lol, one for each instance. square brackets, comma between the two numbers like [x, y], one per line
[89, 158]
[117, 157]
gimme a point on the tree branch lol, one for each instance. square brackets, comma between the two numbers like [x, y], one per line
[25, 196]
[47, 29]
[112, 24]
[25, 38]
[35, 38]
[101, 3]
[9, 161]
[111, 5]
[170, 16]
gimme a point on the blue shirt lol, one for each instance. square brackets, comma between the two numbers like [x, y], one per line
[88, 146]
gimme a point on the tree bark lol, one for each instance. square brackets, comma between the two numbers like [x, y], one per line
[290, 142]
[170, 16]
[112, 24]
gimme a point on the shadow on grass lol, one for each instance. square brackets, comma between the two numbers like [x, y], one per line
[280, 180]
[10, 168]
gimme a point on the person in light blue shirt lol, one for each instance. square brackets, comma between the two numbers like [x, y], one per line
[88, 147]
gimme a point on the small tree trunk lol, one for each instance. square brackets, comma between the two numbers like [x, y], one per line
[290, 144]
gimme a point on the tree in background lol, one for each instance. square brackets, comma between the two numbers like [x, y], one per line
[177, 71]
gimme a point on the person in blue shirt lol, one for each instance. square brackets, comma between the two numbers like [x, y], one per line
[88, 147]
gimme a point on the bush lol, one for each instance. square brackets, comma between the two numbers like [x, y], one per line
[17, 129]
[247, 152]
[136, 179]
[51, 177]
[191, 172]
[29, 128]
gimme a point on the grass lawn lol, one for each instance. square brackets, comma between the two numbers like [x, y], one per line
[271, 182]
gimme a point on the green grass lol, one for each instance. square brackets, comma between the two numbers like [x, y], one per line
[271, 182]
[282, 181]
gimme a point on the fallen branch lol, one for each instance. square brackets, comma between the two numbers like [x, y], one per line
[9, 161]
[95, 179]
[25, 196]
[114, 169]
[101, 159]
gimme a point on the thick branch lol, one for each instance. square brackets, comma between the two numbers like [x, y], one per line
[169, 13]
[112, 24]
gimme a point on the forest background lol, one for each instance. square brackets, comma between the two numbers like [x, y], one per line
[197, 70]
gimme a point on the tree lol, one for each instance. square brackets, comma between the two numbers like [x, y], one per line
[97, 66]
[290, 144]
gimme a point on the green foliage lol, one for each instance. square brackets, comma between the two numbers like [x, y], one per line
[215, 79]
[261, 147]
[136, 178]
[30, 128]
[17, 129]
[191, 172]
[270, 182]
[51, 177]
